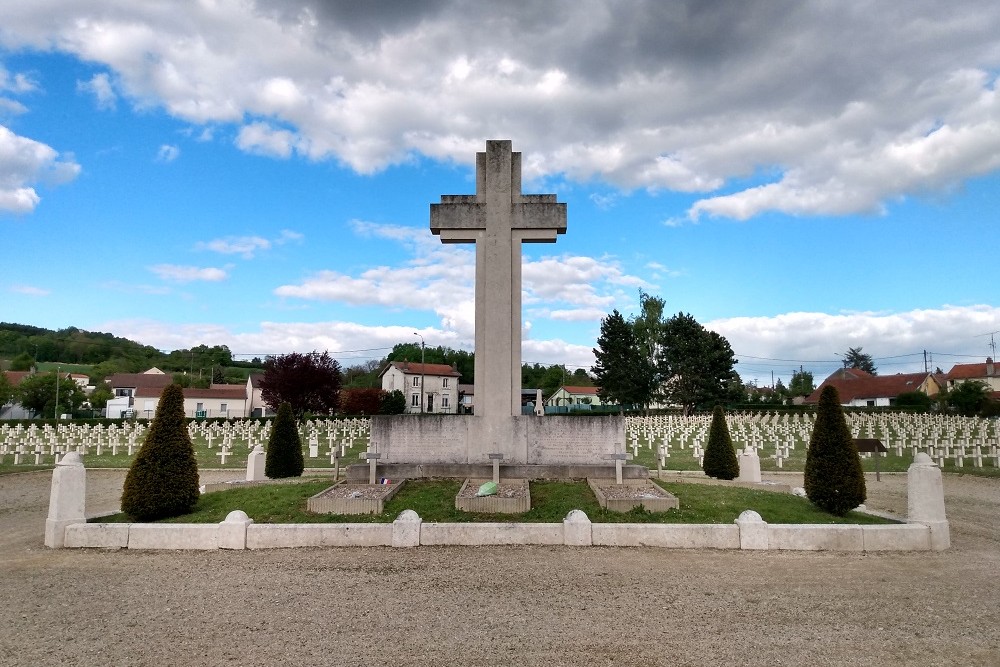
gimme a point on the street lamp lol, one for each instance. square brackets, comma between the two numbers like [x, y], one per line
[421, 371]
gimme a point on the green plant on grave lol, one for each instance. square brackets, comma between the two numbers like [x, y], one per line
[284, 447]
[163, 479]
[834, 480]
[720, 458]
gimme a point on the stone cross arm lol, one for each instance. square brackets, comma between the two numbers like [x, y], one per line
[458, 218]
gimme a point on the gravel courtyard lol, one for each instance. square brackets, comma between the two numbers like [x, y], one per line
[480, 606]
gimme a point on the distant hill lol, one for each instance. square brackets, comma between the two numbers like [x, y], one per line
[108, 353]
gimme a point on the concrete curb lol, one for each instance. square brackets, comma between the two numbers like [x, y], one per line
[238, 532]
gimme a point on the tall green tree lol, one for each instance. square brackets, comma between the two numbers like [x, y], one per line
[38, 393]
[968, 398]
[698, 364]
[650, 330]
[620, 369]
[855, 358]
[801, 384]
[834, 479]
[163, 479]
[307, 382]
[7, 392]
[22, 362]
[284, 447]
[720, 457]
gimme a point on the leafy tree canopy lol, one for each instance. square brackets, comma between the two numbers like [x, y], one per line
[307, 382]
[855, 358]
[698, 364]
[801, 384]
[621, 371]
[38, 394]
[968, 398]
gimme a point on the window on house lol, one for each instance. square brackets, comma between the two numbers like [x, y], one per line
[444, 401]
[416, 382]
[223, 407]
[444, 383]
[415, 401]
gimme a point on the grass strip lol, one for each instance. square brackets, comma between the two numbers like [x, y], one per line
[551, 501]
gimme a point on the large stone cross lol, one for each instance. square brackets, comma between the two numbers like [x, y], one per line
[498, 219]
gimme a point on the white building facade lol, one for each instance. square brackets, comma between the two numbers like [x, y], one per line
[429, 388]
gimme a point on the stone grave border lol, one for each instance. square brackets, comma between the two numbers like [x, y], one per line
[493, 504]
[663, 501]
[322, 504]
[926, 528]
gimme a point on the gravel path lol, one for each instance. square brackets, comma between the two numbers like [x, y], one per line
[499, 605]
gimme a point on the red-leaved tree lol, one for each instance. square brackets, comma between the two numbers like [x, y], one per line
[361, 401]
[309, 383]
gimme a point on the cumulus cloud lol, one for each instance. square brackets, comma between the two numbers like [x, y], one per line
[248, 246]
[101, 88]
[186, 274]
[24, 162]
[30, 290]
[441, 277]
[897, 340]
[758, 106]
[167, 153]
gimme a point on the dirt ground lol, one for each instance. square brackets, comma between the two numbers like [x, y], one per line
[499, 605]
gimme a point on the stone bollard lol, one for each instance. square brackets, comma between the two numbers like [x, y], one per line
[255, 465]
[577, 529]
[753, 530]
[925, 500]
[406, 529]
[67, 499]
[233, 531]
[749, 465]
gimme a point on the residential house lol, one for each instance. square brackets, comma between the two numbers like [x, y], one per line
[466, 399]
[987, 373]
[139, 393]
[257, 406]
[219, 400]
[574, 396]
[858, 388]
[431, 388]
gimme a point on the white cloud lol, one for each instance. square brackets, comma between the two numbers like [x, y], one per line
[791, 122]
[101, 88]
[248, 246]
[800, 338]
[18, 83]
[11, 107]
[167, 153]
[23, 162]
[30, 290]
[187, 274]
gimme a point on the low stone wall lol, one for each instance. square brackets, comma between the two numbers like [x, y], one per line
[927, 527]
[237, 532]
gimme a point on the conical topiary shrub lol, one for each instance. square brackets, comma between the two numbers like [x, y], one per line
[284, 447]
[163, 479]
[720, 458]
[834, 480]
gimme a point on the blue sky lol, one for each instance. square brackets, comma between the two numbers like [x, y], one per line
[801, 179]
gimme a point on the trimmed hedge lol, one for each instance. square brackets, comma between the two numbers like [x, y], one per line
[834, 479]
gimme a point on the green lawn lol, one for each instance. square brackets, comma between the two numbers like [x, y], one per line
[434, 501]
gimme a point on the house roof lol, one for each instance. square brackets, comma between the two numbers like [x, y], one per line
[15, 377]
[412, 368]
[588, 391]
[236, 392]
[137, 380]
[972, 371]
[853, 384]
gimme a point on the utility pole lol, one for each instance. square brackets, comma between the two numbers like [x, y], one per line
[57, 394]
[421, 371]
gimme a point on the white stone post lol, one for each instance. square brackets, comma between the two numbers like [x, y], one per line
[255, 465]
[753, 530]
[406, 529]
[925, 500]
[577, 529]
[67, 499]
